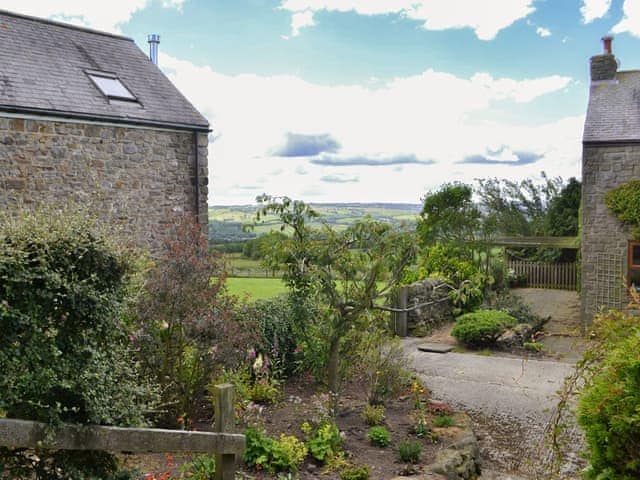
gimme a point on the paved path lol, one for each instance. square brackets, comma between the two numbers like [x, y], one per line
[510, 399]
[492, 385]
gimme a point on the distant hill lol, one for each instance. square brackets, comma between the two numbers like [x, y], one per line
[226, 222]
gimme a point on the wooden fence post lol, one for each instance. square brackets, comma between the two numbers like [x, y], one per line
[224, 404]
[401, 326]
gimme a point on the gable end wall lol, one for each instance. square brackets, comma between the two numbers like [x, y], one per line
[604, 168]
[135, 178]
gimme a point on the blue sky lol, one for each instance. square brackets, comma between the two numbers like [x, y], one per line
[374, 100]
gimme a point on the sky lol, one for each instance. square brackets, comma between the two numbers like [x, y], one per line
[374, 100]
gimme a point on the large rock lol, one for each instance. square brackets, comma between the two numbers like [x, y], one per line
[516, 336]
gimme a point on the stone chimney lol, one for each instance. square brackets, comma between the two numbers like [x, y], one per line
[604, 66]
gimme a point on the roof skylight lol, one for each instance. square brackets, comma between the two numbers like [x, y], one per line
[111, 86]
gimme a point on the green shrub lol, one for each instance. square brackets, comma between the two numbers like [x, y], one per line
[409, 451]
[265, 391]
[65, 352]
[443, 421]
[609, 413]
[482, 327]
[201, 467]
[186, 333]
[535, 347]
[624, 202]
[373, 414]
[323, 441]
[379, 436]
[282, 455]
[355, 473]
[278, 336]
[382, 362]
[514, 306]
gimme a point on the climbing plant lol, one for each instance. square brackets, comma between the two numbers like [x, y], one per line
[624, 202]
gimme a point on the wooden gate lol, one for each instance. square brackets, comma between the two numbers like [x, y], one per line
[563, 276]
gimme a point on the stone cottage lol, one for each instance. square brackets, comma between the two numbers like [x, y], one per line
[87, 117]
[611, 157]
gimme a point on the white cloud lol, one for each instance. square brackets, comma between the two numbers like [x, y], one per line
[593, 9]
[543, 32]
[432, 116]
[485, 17]
[300, 20]
[106, 16]
[631, 20]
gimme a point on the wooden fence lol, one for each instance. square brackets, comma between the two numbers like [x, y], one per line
[563, 276]
[225, 445]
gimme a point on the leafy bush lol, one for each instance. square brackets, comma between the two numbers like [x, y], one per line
[65, 351]
[278, 336]
[514, 306]
[409, 451]
[624, 202]
[282, 455]
[383, 363]
[379, 436]
[185, 329]
[355, 473]
[373, 414]
[448, 263]
[482, 327]
[201, 467]
[266, 391]
[323, 441]
[609, 413]
[443, 421]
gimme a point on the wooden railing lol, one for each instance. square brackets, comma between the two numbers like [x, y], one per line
[224, 444]
[546, 275]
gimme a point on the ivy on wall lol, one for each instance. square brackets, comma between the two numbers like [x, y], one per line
[624, 202]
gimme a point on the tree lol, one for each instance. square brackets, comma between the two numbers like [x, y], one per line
[562, 216]
[342, 273]
[517, 208]
[449, 216]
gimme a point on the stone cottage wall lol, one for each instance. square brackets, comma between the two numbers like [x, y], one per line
[605, 239]
[136, 178]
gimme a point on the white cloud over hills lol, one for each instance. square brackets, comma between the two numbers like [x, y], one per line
[356, 143]
[486, 17]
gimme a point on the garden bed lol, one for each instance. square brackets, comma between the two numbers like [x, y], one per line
[303, 401]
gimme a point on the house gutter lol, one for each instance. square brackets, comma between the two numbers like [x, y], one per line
[103, 118]
[610, 143]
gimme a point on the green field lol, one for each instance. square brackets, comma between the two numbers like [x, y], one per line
[227, 223]
[256, 288]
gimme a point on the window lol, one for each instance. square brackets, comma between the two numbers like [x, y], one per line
[634, 265]
[111, 86]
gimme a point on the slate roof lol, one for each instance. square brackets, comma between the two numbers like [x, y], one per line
[613, 114]
[43, 65]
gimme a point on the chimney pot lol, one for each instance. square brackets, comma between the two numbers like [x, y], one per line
[154, 41]
[606, 44]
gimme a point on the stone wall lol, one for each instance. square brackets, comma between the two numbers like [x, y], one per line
[605, 239]
[422, 320]
[136, 178]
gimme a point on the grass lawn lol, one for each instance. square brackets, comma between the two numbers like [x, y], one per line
[256, 288]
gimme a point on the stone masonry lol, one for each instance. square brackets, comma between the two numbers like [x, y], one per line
[136, 178]
[605, 239]
[424, 319]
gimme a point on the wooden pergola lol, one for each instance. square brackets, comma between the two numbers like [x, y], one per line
[570, 243]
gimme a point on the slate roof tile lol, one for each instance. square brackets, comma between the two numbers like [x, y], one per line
[43, 63]
[613, 113]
